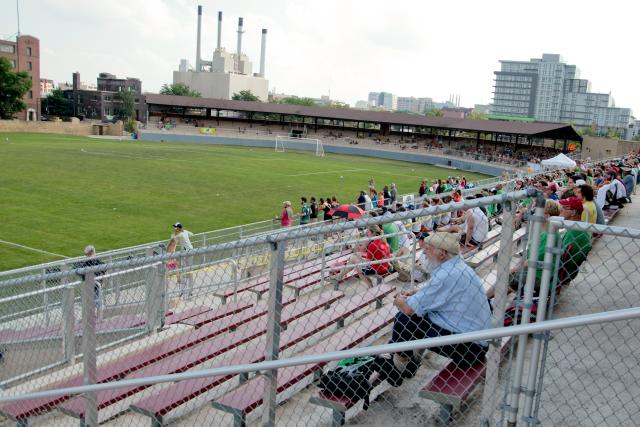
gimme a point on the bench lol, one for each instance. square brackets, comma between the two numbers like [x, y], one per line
[20, 412]
[292, 273]
[249, 396]
[453, 385]
[196, 355]
[158, 405]
[185, 314]
[491, 251]
[229, 322]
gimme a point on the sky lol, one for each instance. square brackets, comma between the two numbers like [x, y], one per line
[345, 48]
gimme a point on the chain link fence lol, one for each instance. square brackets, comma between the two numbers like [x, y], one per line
[319, 325]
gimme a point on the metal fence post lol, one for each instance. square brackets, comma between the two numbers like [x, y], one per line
[273, 331]
[155, 294]
[45, 299]
[494, 354]
[89, 347]
[536, 221]
[547, 274]
[68, 319]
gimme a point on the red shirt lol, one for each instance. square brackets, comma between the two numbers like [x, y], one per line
[378, 250]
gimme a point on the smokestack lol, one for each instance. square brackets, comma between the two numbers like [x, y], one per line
[198, 40]
[239, 37]
[219, 30]
[263, 48]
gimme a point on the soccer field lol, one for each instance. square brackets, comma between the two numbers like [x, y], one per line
[60, 192]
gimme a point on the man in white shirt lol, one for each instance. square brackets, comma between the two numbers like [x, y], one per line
[474, 228]
[182, 237]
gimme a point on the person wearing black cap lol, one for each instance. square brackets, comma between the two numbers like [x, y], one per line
[181, 237]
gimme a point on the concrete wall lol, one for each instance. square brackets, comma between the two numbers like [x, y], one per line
[484, 168]
[75, 127]
[597, 148]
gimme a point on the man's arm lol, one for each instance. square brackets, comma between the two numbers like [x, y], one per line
[470, 224]
[400, 301]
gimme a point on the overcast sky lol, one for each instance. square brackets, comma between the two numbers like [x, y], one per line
[410, 48]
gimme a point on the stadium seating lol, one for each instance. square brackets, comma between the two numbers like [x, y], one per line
[160, 404]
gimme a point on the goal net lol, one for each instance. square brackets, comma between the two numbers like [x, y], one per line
[292, 143]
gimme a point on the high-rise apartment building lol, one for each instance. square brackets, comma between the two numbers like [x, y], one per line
[414, 105]
[24, 55]
[550, 90]
[385, 100]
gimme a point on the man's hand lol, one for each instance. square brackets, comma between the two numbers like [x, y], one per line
[400, 301]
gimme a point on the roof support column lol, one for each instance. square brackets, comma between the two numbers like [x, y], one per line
[315, 122]
[477, 140]
[218, 117]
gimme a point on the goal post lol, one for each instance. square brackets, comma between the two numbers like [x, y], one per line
[289, 143]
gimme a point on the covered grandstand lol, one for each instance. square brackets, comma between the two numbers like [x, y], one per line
[371, 124]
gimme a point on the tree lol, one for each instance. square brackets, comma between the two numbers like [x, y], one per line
[57, 105]
[613, 134]
[179, 89]
[477, 115]
[637, 137]
[294, 100]
[127, 112]
[434, 112]
[245, 95]
[13, 87]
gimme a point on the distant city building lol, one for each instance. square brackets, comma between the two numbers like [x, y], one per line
[104, 103]
[373, 98]
[456, 112]
[46, 87]
[363, 105]
[414, 105]
[547, 89]
[633, 130]
[24, 55]
[482, 108]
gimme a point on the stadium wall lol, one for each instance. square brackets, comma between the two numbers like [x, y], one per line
[488, 169]
[69, 128]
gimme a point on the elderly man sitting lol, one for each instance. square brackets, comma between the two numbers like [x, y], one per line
[453, 301]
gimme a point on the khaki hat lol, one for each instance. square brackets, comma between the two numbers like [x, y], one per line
[445, 241]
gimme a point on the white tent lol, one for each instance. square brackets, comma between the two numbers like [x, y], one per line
[560, 161]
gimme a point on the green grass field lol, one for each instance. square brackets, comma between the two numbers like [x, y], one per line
[60, 193]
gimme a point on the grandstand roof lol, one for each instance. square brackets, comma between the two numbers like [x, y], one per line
[533, 129]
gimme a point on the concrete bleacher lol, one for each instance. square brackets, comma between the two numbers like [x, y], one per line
[212, 334]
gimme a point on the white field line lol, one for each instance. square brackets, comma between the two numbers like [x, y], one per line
[207, 152]
[32, 249]
[100, 153]
[326, 172]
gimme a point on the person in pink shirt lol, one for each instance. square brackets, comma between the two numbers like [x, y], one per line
[286, 216]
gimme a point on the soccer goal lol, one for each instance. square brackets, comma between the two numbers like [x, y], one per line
[292, 143]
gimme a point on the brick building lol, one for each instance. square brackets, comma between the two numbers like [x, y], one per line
[24, 55]
[105, 103]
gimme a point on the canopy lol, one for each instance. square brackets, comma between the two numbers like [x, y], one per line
[560, 160]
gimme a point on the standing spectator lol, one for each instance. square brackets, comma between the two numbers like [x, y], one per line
[286, 216]
[393, 193]
[362, 201]
[374, 198]
[423, 188]
[387, 196]
[372, 184]
[182, 237]
[314, 210]
[305, 211]
[325, 207]
[92, 261]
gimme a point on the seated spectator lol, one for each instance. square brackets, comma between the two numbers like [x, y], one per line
[551, 208]
[628, 182]
[377, 249]
[452, 301]
[576, 244]
[589, 209]
[474, 227]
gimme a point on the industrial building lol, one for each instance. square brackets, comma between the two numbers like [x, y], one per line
[547, 89]
[24, 55]
[226, 73]
[104, 102]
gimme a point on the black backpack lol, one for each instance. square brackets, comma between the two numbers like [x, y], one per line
[350, 379]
